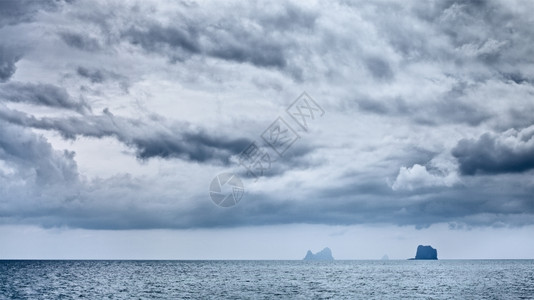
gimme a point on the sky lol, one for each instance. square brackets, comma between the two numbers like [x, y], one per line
[379, 126]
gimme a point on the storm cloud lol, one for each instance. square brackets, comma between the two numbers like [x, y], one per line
[41, 94]
[229, 40]
[509, 152]
[428, 112]
[30, 156]
[80, 41]
[14, 11]
[8, 59]
[168, 141]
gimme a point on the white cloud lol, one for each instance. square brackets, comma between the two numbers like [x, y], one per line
[418, 177]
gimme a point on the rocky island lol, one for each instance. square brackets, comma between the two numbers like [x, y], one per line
[325, 255]
[426, 252]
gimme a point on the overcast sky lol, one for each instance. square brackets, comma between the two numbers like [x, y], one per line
[115, 116]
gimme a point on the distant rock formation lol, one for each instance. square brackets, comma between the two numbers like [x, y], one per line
[385, 257]
[426, 252]
[325, 254]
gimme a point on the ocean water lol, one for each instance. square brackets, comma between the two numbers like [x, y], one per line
[393, 279]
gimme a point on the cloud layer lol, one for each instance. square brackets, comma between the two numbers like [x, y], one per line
[117, 115]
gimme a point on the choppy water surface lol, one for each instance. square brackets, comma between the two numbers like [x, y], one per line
[491, 279]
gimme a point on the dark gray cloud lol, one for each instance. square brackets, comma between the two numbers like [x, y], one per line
[450, 107]
[80, 41]
[234, 44]
[379, 68]
[103, 76]
[94, 75]
[196, 146]
[155, 37]
[17, 11]
[518, 78]
[509, 152]
[242, 35]
[34, 158]
[8, 59]
[178, 140]
[41, 94]
[361, 202]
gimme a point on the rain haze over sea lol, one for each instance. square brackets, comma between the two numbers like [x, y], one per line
[183, 148]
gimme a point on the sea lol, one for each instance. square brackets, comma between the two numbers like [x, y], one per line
[232, 279]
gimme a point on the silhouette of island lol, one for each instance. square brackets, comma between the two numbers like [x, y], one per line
[426, 252]
[325, 254]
